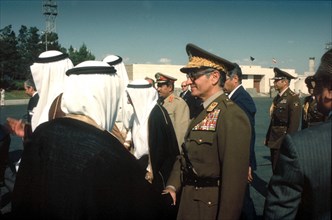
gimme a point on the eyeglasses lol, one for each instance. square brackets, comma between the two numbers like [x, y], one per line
[183, 86]
[195, 75]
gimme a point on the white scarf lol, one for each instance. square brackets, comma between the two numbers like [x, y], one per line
[49, 79]
[94, 95]
[125, 110]
[143, 101]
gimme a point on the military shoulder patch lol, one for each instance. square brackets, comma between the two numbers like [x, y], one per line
[293, 93]
[212, 106]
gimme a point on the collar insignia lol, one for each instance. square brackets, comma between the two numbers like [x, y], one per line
[212, 106]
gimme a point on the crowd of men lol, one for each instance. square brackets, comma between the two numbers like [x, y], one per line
[98, 146]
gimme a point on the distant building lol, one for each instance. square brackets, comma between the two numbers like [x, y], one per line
[300, 86]
[254, 77]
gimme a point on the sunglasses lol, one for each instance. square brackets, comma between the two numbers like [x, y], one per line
[193, 76]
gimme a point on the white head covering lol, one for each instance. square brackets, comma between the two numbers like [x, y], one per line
[48, 73]
[125, 110]
[143, 98]
[92, 89]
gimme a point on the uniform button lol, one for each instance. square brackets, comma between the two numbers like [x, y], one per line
[200, 140]
[209, 203]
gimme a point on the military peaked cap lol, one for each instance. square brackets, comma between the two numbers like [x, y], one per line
[163, 78]
[279, 74]
[202, 59]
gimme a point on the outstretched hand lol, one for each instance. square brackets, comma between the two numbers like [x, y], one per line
[16, 126]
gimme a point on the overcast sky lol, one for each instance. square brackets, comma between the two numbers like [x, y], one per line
[157, 31]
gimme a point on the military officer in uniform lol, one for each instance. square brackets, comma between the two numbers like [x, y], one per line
[176, 107]
[285, 113]
[212, 171]
[310, 115]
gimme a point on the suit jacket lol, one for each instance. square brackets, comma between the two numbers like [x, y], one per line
[194, 103]
[215, 150]
[285, 114]
[33, 101]
[186, 95]
[301, 185]
[242, 98]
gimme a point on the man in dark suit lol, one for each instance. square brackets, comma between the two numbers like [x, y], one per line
[233, 87]
[213, 168]
[301, 185]
[30, 90]
[285, 113]
[194, 103]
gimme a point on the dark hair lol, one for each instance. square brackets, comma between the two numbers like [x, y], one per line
[236, 71]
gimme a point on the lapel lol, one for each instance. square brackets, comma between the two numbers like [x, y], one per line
[237, 93]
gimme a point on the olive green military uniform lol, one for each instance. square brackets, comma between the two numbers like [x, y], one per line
[285, 114]
[178, 111]
[310, 115]
[217, 145]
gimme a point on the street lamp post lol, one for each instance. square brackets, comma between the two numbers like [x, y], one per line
[46, 40]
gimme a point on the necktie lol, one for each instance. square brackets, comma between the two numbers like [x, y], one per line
[201, 108]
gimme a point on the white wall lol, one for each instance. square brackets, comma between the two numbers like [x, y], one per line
[140, 71]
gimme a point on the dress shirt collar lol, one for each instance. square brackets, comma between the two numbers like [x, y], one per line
[231, 93]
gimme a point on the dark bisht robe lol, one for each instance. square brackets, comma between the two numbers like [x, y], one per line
[163, 145]
[72, 170]
[163, 153]
[4, 148]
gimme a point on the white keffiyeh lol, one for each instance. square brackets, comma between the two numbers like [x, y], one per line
[95, 95]
[143, 98]
[49, 78]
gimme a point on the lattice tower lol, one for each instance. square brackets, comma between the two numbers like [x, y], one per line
[50, 10]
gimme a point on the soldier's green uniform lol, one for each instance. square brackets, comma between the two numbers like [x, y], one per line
[310, 115]
[285, 115]
[212, 169]
[217, 145]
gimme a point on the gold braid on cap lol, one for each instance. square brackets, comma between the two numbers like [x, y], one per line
[197, 62]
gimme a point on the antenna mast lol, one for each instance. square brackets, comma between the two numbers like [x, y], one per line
[50, 11]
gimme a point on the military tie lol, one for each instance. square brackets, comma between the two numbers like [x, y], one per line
[278, 98]
[201, 108]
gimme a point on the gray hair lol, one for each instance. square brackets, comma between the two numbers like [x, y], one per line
[30, 83]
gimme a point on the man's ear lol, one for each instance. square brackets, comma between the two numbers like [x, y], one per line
[215, 76]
